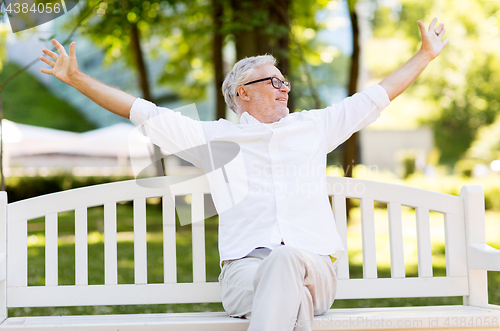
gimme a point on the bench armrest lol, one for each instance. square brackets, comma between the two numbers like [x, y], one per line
[483, 257]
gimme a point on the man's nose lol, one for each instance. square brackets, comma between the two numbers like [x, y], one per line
[284, 88]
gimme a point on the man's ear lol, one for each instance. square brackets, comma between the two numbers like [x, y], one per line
[242, 93]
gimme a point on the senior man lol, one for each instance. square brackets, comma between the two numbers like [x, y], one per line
[278, 244]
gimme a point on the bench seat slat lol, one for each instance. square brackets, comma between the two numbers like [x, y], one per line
[417, 318]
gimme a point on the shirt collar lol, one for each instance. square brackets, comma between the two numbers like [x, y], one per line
[246, 118]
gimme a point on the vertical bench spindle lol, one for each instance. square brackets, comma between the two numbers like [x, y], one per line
[424, 242]
[81, 247]
[110, 249]
[17, 262]
[396, 240]
[140, 242]
[339, 213]
[169, 240]
[368, 238]
[198, 236]
[51, 273]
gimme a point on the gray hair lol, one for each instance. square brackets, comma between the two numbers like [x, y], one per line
[240, 74]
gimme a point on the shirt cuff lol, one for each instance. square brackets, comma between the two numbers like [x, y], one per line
[139, 112]
[378, 95]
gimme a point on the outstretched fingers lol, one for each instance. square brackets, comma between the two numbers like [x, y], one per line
[433, 24]
[72, 53]
[439, 29]
[50, 53]
[49, 62]
[59, 47]
[421, 25]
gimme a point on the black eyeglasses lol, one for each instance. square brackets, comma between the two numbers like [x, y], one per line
[277, 83]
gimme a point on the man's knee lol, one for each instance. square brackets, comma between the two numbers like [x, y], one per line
[285, 254]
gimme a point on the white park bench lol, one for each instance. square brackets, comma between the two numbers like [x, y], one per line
[468, 258]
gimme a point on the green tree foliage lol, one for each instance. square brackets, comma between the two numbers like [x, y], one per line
[3, 42]
[25, 100]
[180, 32]
[486, 147]
[460, 86]
[315, 63]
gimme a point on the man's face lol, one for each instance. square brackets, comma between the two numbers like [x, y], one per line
[261, 100]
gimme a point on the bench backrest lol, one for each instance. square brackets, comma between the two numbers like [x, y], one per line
[19, 294]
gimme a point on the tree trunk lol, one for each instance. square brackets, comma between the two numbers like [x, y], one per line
[254, 41]
[2, 176]
[217, 44]
[280, 10]
[351, 149]
[146, 91]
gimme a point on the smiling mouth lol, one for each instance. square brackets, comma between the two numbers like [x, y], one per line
[281, 99]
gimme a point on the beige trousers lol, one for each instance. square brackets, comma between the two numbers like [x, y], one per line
[278, 290]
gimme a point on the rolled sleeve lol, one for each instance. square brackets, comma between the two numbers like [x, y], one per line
[168, 129]
[140, 111]
[378, 95]
[339, 121]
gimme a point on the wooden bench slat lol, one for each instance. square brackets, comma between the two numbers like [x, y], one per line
[340, 215]
[384, 192]
[98, 195]
[81, 247]
[368, 238]
[17, 261]
[51, 250]
[388, 318]
[198, 237]
[424, 242]
[455, 250]
[459, 280]
[169, 240]
[120, 294]
[409, 287]
[110, 248]
[396, 240]
[140, 242]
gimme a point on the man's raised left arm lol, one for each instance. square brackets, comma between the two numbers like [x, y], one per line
[404, 76]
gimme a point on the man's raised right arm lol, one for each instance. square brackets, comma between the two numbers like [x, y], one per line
[65, 68]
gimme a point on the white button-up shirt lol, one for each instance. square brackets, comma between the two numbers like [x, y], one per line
[268, 181]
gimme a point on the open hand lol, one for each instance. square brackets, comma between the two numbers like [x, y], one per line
[431, 38]
[65, 66]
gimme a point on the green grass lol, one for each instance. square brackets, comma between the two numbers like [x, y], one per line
[36, 262]
[25, 100]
